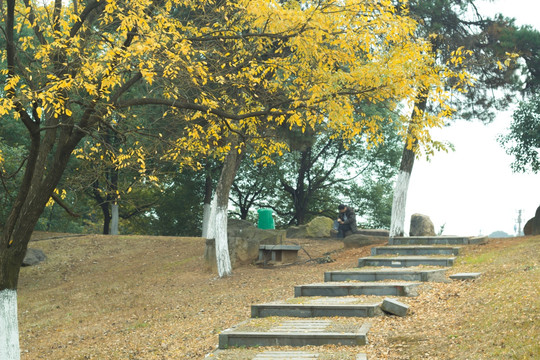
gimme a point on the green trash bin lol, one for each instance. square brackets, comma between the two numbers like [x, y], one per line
[266, 221]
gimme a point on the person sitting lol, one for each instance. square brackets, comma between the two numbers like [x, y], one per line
[346, 221]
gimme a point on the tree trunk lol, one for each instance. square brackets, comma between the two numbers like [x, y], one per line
[113, 175]
[13, 244]
[399, 201]
[114, 219]
[207, 208]
[244, 212]
[220, 203]
[106, 217]
[9, 325]
[104, 205]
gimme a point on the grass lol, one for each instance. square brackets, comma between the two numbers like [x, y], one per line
[138, 297]
[507, 304]
[499, 314]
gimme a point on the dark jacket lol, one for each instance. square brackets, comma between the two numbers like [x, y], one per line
[349, 217]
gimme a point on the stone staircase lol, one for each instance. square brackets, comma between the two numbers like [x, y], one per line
[315, 315]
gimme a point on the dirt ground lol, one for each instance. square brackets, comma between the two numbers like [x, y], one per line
[138, 297]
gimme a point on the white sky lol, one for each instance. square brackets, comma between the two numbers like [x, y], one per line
[473, 191]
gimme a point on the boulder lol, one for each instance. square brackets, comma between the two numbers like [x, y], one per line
[297, 232]
[33, 257]
[532, 227]
[359, 240]
[244, 240]
[528, 228]
[374, 232]
[421, 225]
[319, 227]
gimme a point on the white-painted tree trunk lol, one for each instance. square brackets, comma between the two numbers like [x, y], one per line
[223, 258]
[211, 222]
[9, 326]
[217, 227]
[207, 209]
[114, 219]
[399, 203]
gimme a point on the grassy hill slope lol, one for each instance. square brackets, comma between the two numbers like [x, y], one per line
[138, 297]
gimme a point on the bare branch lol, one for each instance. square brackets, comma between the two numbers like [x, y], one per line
[57, 199]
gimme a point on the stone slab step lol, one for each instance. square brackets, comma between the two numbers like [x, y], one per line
[383, 273]
[415, 250]
[318, 307]
[401, 288]
[437, 240]
[406, 261]
[294, 355]
[293, 333]
[262, 354]
[465, 276]
[394, 307]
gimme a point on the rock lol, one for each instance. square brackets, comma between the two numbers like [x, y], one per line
[528, 228]
[373, 232]
[297, 232]
[319, 227]
[244, 240]
[359, 240]
[421, 225]
[235, 226]
[33, 257]
[532, 227]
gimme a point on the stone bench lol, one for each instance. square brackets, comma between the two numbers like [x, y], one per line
[278, 253]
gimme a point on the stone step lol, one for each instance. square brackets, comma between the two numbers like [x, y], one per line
[398, 288]
[406, 261]
[437, 240]
[264, 354]
[415, 250]
[318, 307]
[383, 273]
[465, 276]
[297, 355]
[272, 332]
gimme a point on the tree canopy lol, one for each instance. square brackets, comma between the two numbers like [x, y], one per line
[218, 75]
[225, 73]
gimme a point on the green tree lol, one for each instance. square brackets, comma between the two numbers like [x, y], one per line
[523, 139]
[462, 38]
[318, 173]
[178, 211]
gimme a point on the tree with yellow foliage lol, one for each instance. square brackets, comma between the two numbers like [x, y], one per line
[230, 73]
[318, 63]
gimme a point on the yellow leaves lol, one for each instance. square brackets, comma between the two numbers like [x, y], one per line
[12, 83]
[63, 195]
[510, 58]
[346, 53]
[148, 76]
[321, 61]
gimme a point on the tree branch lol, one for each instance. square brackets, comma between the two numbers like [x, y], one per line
[32, 19]
[57, 199]
[84, 15]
